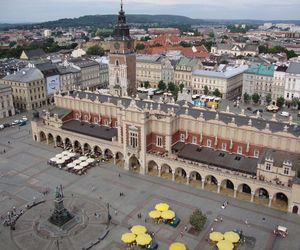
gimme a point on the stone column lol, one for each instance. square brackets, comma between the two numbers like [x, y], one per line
[159, 171]
[235, 192]
[202, 184]
[252, 196]
[187, 180]
[55, 143]
[270, 200]
[114, 157]
[126, 164]
[173, 175]
[219, 188]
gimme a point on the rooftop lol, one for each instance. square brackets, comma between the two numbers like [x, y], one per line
[260, 69]
[25, 75]
[294, 68]
[225, 72]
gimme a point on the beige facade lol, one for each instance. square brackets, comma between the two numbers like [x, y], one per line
[28, 88]
[148, 137]
[6, 101]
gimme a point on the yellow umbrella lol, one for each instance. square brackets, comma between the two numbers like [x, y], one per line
[225, 245]
[155, 214]
[128, 238]
[232, 236]
[177, 246]
[143, 239]
[162, 207]
[168, 215]
[216, 236]
[138, 229]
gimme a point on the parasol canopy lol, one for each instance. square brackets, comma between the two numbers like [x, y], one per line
[143, 239]
[225, 245]
[232, 236]
[77, 162]
[168, 215]
[216, 236]
[162, 207]
[177, 246]
[138, 229]
[71, 165]
[83, 158]
[90, 160]
[78, 167]
[155, 214]
[128, 238]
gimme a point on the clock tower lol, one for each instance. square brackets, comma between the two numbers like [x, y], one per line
[122, 59]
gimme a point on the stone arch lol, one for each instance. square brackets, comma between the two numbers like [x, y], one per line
[195, 179]
[261, 196]
[43, 137]
[280, 201]
[180, 175]
[244, 192]
[87, 148]
[134, 164]
[120, 159]
[50, 138]
[211, 183]
[295, 209]
[68, 143]
[152, 168]
[97, 151]
[166, 171]
[59, 141]
[227, 187]
[108, 154]
[77, 147]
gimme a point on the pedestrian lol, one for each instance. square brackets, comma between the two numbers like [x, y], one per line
[119, 175]
[185, 228]
[181, 234]
[212, 229]
[4, 151]
[221, 219]
[116, 212]
[246, 222]
[8, 142]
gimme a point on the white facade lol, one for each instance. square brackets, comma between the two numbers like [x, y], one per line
[292, 81]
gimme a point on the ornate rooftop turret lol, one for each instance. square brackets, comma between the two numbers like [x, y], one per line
[121, 31]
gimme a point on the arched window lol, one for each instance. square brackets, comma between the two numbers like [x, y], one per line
[117, 62]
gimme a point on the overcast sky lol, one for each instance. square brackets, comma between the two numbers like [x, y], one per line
[44, 10]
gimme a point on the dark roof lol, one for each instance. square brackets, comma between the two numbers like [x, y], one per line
[47, 68]
[260, 124]
[83, 62]
[93, 130]
[219, 158]
[67, 70]
[281, 68]
[61, 112]
[35, 53]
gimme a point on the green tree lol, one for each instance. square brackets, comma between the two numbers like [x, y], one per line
[280, 101]
[198, 219]
[206, 91]
[140, 46]
[246, 97]
[181, 86]
[268, 98]
[162, 85]
[171, 86]
[146, 84]
[185, 44]
[295, 102]
[95, 51]
[255, 98]
[217, 93]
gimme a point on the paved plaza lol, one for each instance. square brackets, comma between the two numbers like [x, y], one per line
[24, 174]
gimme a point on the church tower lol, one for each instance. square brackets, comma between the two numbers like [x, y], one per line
[122, 59]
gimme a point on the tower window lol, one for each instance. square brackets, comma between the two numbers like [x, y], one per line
[117, 62]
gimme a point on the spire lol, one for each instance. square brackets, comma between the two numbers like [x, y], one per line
[122, 5]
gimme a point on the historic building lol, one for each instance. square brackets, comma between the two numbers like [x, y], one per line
[243, 157]
[122, 59]
[6, 101]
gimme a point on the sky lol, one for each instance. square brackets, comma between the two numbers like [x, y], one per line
[16, 11]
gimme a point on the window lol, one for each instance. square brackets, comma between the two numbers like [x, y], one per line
[133, 139]
[159, 141]
[208, 143]
[182, 137]
[286, 171]
[240, 150]
[256, 153]
[194, 140]
[268, 166]
[224, 146]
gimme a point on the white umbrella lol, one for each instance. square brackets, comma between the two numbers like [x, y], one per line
[54, 159]
[83, 158]
[83, 164]
[71, 165]
[59, 156]
[77, 162]
[78, 167]
[90, 160]
[60, 162]
[65, 153]
[71, 154]
[65, 158]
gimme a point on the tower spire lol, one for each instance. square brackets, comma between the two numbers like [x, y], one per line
[121, 5]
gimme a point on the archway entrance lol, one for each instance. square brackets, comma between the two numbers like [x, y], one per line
[295, 209]
[280, 201]
[77, 147]
[195, 179]
[152, 168]
[134, 164]
[108, 155]
[262, 197]
[59, 142]
[50, 139]
[227, 187]
[211, 183]
[166, 172]
[43, 137]
[68, 144]
[97, 151]
[180, 176]
[120, 159]
[244, 192]
[87, 148]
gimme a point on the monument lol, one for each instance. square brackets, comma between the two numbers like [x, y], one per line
[60, 215]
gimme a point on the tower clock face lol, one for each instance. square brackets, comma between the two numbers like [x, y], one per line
[117, 45]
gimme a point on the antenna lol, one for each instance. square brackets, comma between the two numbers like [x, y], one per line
[121, 5]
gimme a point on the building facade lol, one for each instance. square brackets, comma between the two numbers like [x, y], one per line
[122, 60]
[28, 88]
[292, 81]
[6, 100]
[278, 82]
[238, 49]
[258, 79]
[228, 80]
[231, 154]
[69, 78]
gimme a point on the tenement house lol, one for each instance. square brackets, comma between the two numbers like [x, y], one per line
[292, 81]
[69, 78]
[238, 49]
[28, 88]
[227, 79]
[243, 157]
[6, 101]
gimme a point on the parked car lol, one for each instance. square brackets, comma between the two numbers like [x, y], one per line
[23, 123]
[1, 126]
[6, 125]
[153, 245]
[224, 205]
[258, 110]
[285, 114]
[24, 118]
[280, 230]
[272, 108]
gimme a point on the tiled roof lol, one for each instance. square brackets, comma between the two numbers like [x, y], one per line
[294, 68]
[25, 75]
